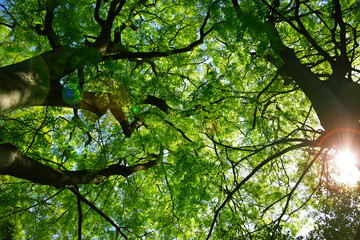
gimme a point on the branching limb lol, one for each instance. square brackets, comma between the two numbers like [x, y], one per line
[179, 130]
[100, 103]
[15, 23]
[49, 30]
[34, 205]
[339, 20]
[158, 102]
[289, 195]
[257, 148]
[311, 40]
[328, 107]
[247, 178]
[343, 65]
[154, 54]
[104, 39]
[14, 163]
[301, 29]
[97, 13]
[96, 209]
[42, 125]
[273, 11]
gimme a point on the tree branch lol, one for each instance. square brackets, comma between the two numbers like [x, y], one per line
[248, 177]
[96, 209]
[311, 40]
[154, 54]
[179, 130]
[339, 20]
[96, 13]
[103, 40]
[13, 163]
[99, 103]
[48, 29]
[158, 102]
[15, 23]
[330, 110]
[289, 195]
[343, 65]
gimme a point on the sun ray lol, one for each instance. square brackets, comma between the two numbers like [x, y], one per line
[345, 166]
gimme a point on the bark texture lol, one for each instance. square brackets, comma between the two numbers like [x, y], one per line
[333, 113]
[29, 82]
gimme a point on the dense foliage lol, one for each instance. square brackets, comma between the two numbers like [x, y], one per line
[206, 106]
[336, 215]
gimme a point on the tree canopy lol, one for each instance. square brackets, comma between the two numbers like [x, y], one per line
[181, 119]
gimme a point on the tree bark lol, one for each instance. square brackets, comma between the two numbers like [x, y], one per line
[30, 82]
[331, 111]
[13, 163]
[36, 82]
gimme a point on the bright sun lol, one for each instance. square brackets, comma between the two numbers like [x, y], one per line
[347, 171]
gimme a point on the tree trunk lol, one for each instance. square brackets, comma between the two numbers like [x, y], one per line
[28, 83]
[331, 111]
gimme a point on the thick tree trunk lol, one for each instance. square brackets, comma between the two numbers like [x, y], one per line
[332, 112]
[28, 83]
[36, 82]
[13, 163]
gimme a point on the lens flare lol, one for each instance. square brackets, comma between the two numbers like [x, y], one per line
[71, 94]
[345, 164]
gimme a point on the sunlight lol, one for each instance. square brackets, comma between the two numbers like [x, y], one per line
[347, 170]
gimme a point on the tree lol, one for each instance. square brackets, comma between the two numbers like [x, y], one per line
[336, 215]
[218, 112]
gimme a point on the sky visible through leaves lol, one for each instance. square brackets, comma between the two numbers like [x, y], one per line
[179, 119]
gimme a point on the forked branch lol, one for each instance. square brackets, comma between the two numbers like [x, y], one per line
[247, 178]
[96, 209]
